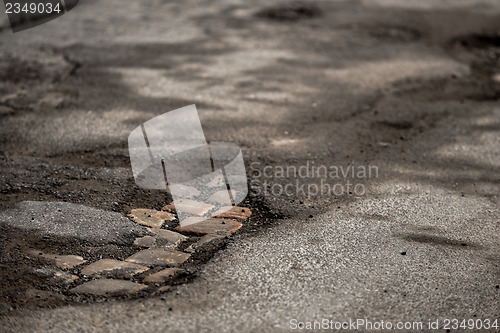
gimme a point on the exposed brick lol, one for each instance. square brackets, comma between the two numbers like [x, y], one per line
[108, 287]
[210, 226]
[61, 261]
[150, 217]
[113, 268]
[158, 257]
[162, 276]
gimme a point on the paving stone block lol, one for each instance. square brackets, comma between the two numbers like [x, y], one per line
[237, 213]
[108, 287]
[113, 268]
[166, 237]
[158, 257]
[150, 217]
[163, 289]
[146, 241]
[205, 242]
[163, 275]
[210, 226]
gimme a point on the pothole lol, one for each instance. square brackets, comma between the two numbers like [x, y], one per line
[40, 270]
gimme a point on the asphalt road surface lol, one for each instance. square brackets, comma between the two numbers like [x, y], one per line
[408, 90]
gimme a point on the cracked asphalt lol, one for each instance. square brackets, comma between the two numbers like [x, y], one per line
[411, 87]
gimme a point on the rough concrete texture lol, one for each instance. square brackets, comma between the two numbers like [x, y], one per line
[63, 219]
[158, 257]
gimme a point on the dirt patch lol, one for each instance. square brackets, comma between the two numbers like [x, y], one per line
[400, 125]
[476, 41]
[289, 13]
[99, 178]
[389, 33]
[481, 51]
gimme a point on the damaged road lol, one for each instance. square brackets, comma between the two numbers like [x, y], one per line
[409, 87]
